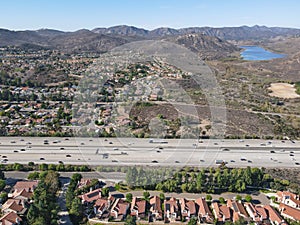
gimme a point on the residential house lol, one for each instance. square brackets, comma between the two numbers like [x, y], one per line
[119, 209]
[91, 196]
[138, 208]
[155, 208]
[188, 208]
[289, 212]
[257, 213]
[102, 207]
[222, 212]
[238, 210]
[10, 218]
[204, 213]
[274, 216]
[171, 210]
[24, 190]
[14, 205]
[289, 198]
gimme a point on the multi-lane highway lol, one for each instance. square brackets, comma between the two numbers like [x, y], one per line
[131, 151]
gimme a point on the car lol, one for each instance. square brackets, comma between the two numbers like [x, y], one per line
[28, 143]
[4, 160]
[241, 140]
[116, 149]
[215, 143]
[42, 158]
[243, 159]
[68, 156]
[176, 161]
[16, 151]
[110, 143]
[105, 139]
[114, 160]
[158, 151]
[22, 149]
[225, 150]
[66, 139]
[296, 163]
[62, 148]
[249, 161]
[247, 145]
[262, 144]
[13, 142]
[4, 156]
[232, 161]
[81, 143]
[160, 148]
[272, 151]
[22, 140]
[46, 143]
[154, 161]
[91, 140]
[291, 154]
[60, 162]
[124, 153]
[282, 150]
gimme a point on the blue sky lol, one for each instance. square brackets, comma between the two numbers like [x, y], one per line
[70, 15]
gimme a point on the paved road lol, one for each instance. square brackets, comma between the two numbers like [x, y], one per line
[132, 151]
[63, 213]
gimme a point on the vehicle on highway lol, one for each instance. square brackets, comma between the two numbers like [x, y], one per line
[61, 162]
[272, 151]
[158, 151]
[110, 143]
[4, 156]
[220, 161]
[68, 156]
[16, 151]
[225, 149]
[243, 159]
[115, 149]
[296, 163]
[176, 161]
[154, 161]
[62, 148]
[232, 161]
[202, 160]
[114, 160]
[124, 153]
[22, 150]
[249, 161]
[291, 154]
[42, 158]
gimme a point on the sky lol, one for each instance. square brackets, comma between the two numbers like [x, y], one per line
[71, 15]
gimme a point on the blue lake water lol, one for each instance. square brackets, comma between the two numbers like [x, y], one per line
[258, 53]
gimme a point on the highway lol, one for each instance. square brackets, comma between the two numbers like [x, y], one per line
[133, 151]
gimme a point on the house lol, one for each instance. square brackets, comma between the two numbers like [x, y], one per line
[28, 186]
[10, 218]
[274, 216]
[222, 212]
[22, 194]
[204, 213]
[155, 208]
[289, 212]
[138, 207]
[289, 198]
[14, 205]
[91, 196]
[119, 209]
[257, 212]
[238, 210]
[171, 210]
[188, 208]
[83, 182]
[102, 207]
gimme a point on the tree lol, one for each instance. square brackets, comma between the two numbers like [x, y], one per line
[2, 184]
[105, 192]
[193, 221]
[128, 197]
[248, 198]
[76, 208]
[33, 176]
[222, 200]
[130, 220]
[208, 197]
[162, 196]
[238, 198]
[146, 196]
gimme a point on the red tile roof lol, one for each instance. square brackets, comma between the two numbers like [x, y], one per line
[289, 211]
[204, 210]
[14, 205]
[138, 206]
[10, 218]
[92, 195]
[29, 186]
[274, 216]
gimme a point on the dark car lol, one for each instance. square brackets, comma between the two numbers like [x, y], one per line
[154, 161]
[42, 158]
[68, 156]
[272, 151]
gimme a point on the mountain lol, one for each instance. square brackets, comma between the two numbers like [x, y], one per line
[208, 40]
[207, 47]
[226, 33]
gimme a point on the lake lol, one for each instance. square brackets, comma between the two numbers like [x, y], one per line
[258, 53]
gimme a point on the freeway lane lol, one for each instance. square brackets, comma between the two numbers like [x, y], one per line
[132, 151]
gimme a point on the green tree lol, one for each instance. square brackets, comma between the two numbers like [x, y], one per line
[130, 220]
[193, 221]
[238, 198]
[208, 197]
[128, 197]
[76, 208]
[105, 192]
[2, 184]
[146, 196]
[222, 200]
[248, 198]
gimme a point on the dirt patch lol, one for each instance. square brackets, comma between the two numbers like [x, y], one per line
[283, 90]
